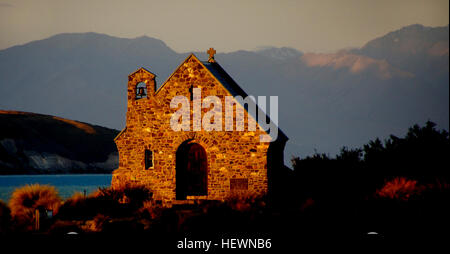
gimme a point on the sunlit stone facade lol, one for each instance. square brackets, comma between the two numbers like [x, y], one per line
[236, 161]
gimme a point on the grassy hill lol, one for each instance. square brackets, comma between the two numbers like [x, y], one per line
[37, 144]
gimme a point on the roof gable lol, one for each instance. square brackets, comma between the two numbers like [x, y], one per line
[235, 90]
[227, 82]
[176, 70]
[142, 70]
[222, 77]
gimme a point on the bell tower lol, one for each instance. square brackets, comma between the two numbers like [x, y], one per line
[141, 89]
[141, 85]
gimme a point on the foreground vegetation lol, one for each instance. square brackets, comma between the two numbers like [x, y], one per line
[397, 188]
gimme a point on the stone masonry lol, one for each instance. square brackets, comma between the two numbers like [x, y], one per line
[236, 160]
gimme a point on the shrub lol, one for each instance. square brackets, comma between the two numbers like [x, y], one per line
[246, 202]
[133, 195]
[64, 227]
[113, 202]
[29, 198]
[399, 188]
[5, 218]
[149, 210]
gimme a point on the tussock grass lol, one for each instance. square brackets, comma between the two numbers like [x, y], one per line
[29, 198]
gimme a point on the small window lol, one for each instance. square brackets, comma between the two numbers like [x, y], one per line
[141, 90]
[191, 92]
[148, 159]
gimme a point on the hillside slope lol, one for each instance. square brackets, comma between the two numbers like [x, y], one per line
[34, 144]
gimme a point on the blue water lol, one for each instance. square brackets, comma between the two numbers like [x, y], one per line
[66, 185]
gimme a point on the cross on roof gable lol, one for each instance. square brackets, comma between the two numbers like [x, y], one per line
[226, 81]
[217, 72]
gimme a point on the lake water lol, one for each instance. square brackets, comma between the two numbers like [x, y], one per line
[66, 185]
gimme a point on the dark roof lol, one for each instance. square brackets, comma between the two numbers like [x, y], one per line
[227, 81]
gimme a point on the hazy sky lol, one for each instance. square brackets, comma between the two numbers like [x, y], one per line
[310, 26]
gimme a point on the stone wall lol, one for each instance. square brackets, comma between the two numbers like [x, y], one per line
[235, 159]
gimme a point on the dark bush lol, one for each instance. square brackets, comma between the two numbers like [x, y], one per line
[5, 218]
[118, 202]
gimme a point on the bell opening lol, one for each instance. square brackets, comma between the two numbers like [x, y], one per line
[141, 91]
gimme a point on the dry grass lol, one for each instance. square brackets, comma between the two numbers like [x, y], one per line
[112, 202]
[88, 129]
[133, 195]
[244, 201]
[150, 210]
[12, 112]
[25, 200]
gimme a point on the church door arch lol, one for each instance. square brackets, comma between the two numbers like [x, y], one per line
[191, 170]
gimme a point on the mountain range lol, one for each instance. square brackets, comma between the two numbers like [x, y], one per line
[326, 100]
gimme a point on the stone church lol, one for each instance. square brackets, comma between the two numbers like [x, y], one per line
[184, 166]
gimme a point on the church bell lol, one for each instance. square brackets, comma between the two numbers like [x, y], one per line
[141, 92]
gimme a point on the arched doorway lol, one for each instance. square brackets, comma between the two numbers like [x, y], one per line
[191, 170]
